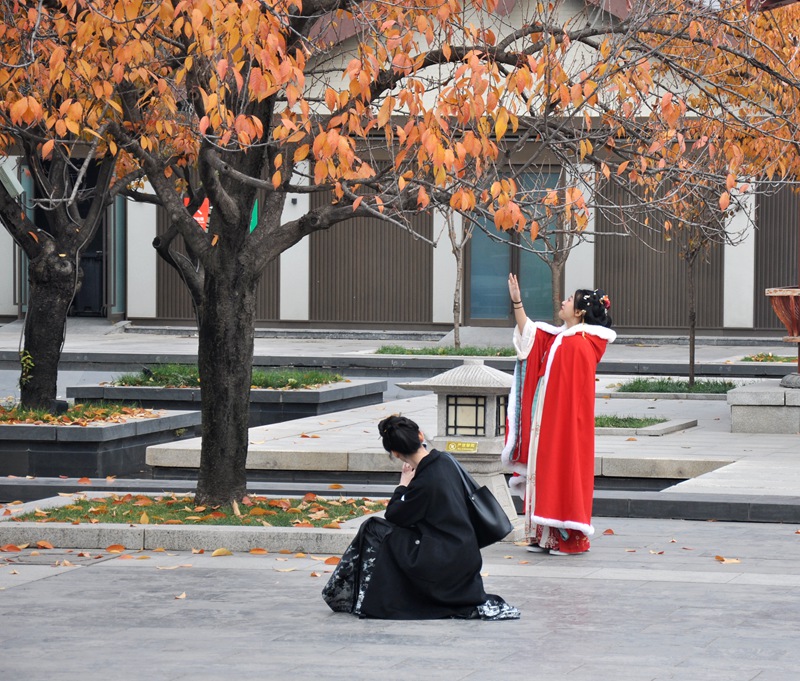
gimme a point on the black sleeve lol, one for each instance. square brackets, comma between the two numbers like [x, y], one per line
[408, 505]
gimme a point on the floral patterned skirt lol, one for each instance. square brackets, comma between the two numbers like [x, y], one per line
[348, 585]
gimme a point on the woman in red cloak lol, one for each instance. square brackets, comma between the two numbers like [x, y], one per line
[550, 430]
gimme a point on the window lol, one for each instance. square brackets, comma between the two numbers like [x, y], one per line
[466, 415]
[491, 258]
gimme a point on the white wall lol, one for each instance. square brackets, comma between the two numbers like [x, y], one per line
[444, 270]
[141, 266]
[740, 263]
[579, 269]
[7, 272]
[8, 252]
[295, 265]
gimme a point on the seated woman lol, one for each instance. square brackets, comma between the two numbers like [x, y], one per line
[422, 561]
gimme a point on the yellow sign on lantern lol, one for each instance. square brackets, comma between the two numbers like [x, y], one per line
[462, 447]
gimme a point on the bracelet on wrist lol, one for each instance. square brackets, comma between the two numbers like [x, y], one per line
[516, 302]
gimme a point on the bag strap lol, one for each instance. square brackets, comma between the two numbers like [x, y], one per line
[469, 483]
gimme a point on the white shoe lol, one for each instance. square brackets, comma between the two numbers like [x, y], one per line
[535, 548]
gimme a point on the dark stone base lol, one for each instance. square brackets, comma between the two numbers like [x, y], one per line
[266, 406]
[791, 381]
[91, 451]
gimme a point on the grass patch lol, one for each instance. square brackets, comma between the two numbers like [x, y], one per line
[180, 509]
[670, 385]
[186, 376]
[446, 351]
[769, 357]
[626, 421]
[76, 415]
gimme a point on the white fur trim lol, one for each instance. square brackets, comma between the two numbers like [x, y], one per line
[517, 485]
[608, 335]
[588, 530]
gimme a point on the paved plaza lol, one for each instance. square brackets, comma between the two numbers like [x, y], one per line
[656, 599]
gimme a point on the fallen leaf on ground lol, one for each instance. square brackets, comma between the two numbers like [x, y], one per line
[181, 596]
[335, 485]
[722, 559]
[220, 552]
[608, 531]
[315, 574]
[332, 526]
[258, 552]
[332, 560]
[144, 519]
[300, 555]
[524, 562]
[115, 548]
[44, 545]
[283, 569]
[657, 553]
[198, 550]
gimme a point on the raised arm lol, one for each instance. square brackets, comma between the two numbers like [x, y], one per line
[516, 301]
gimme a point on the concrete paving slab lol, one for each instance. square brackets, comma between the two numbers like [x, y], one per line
[636, 613]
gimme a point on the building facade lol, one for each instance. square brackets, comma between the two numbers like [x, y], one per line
[368, 274]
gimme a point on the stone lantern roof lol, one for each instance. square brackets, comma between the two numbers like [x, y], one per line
[472, 377]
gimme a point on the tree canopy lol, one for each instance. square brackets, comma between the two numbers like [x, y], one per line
[391, 107]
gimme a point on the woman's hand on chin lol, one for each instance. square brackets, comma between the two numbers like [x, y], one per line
[407, 475]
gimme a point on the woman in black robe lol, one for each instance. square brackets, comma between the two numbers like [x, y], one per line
[422, 561]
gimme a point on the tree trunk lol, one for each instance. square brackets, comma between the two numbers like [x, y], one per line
[692, 317]
[225, 362]
[458, 252]
[556, 271]
[52, 288]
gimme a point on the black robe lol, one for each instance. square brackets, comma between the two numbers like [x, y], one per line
[428, 565]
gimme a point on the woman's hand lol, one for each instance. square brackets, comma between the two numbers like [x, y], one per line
[513, 288]
[407, 475]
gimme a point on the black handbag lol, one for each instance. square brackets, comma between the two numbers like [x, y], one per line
[489, 520]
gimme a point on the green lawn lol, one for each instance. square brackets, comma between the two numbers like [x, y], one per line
[186, 376]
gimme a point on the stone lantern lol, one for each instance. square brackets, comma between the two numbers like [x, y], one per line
[471, 422]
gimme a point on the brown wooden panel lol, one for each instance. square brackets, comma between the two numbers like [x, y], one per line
[367, 270]
[646, 278]
[778, 220]
[173, 301]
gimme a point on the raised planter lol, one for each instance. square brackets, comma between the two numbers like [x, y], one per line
[765, 407]
[266, 405]
[95, 450]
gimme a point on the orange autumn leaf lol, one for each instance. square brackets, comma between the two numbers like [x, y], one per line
[115, 548]
[335, 485]
[261, 511]
[608, 531]
[84, 481]
[258, 552]
[220, 552]
[722, 559]
[332, 560]
[284, 551]
[332, 526]
[44, 545]
[10, 548]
